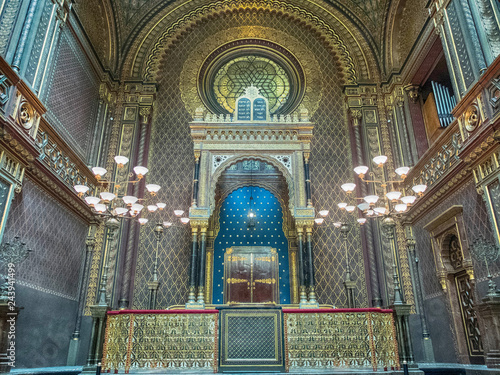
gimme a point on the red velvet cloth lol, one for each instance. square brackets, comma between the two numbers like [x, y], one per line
[118, 312]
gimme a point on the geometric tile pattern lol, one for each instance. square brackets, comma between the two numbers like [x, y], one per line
[56, 236]
[171, 163]
[252, 337]
[476, 222]
[73, 96]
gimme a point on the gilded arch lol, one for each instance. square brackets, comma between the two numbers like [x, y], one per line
[354, 48]
[237, 158]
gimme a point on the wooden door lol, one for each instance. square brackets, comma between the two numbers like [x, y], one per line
[251, 275]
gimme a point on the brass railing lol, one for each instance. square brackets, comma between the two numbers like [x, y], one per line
[314, 339]
[350, 338]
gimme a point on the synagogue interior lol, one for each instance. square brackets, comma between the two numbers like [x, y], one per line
[250, 186]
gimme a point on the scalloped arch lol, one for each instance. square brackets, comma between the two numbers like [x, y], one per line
[356, 55]
[237, 158]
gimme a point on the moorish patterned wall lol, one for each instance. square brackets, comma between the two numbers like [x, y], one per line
[56, 236]
[171, 163]
[73, 95]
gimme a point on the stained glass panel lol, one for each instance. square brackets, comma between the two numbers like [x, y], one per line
[233, 77]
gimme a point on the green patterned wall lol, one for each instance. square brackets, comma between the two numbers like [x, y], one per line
[171, 162]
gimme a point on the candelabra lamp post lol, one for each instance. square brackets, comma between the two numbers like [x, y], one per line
[100, 309]
[349, 284]
[401, 309]
[153, 284]
[489, 309]
[11, 253]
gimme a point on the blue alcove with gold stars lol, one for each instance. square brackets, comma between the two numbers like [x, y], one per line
[235, 231]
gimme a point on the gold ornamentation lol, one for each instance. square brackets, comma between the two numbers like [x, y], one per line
[189, 74]
[265, 281]
[237, 281]
[471, 118]
[94, 269]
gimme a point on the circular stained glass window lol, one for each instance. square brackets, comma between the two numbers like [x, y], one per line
[232, 78]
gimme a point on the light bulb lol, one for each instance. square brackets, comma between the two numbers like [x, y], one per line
[106, 196]
[393, 195]
[167, 224]
[400, 207]
[98, 172]
[140, 171]
[409, 199]
[184, 220]
[362, 220]
[369, 212]
[121, 161]
[419, 189]
[153, 188]
[380, 160]
[350, 208]
[361, 170]
[371, 199]
[319, 220]
[349, 187]
[363, 206]
[324, 213]
[402, 172]
[342, 205]
[81, 189]
[152, 208]
[178, 213]
[161, 205]
[380, 210]
[129, 200]
[92, 201]
[142, 220]
[120, 211]
[101, 208]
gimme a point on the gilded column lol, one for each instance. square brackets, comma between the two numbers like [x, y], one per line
[192, 273]
[201, 277]
[312, 294]
[196, 178]
[308, 179]
[302, 284]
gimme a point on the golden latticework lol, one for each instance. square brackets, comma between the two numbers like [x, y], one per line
[358, 339]
[164, 340]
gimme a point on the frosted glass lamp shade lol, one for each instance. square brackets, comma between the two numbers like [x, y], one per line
[167, 224]
[129, 200]
[142, 220]
[319, 220]
[120, 211]
[380, 210]
[136, 208]
[380, 160]
[121, 161]
[81, 189]
[178, 213]
[350, 208]
[419, 189]
[98, 172]
[324, 213]
[184, 220]
[140, 171]
[370, 212]
[363, 206]
[342, 205]
[362, 220]
[337, 224]
[153, 188]
[101, 208]
[402, 171]
[393, 195]
[106, 196]
[152, 208]
[371, 199]
[161, 205]
[361, 170]
[400, 207]
[349, 187]
[409, 199]
[92, 201]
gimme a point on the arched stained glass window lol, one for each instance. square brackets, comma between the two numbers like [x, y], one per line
[239, 73]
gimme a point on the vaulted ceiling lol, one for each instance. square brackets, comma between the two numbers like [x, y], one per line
[118, 28]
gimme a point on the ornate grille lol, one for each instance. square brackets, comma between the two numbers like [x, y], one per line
[242, 72]
[455, 253]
